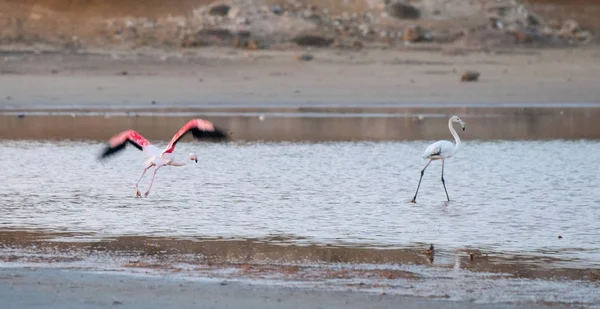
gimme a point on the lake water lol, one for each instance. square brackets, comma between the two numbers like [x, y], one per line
[510, 197]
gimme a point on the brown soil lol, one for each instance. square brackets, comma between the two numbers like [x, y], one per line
[72, 24]
[585, 12]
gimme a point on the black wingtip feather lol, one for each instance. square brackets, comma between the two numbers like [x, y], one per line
[216, 135]
[109, 151]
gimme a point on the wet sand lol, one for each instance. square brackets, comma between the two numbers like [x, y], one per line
[54, 288]
[214, 77]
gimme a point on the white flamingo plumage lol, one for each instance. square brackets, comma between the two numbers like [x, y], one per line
[200, 129]
[441, 150]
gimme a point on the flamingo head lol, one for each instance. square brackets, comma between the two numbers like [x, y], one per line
[194, 157]
[459, 121]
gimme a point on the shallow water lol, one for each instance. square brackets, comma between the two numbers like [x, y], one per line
[509, 197]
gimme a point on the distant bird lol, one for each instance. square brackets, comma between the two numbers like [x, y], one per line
[441, 150]
[200, 129]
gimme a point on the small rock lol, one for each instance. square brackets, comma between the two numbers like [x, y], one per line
[219, 10]
[233, 13]
[402, 11]
[470, 76]
[523, 37]
[305, 57]
[411, 34]
[560, 237]
[555, 24]
[116, 302]
[276, 9]
[153, 102]
[252, 45]
[569, 27]
[20, 116]
[583, 36]
[357, 45]
[123, 73]
[312, 40]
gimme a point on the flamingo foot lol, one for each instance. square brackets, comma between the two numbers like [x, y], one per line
[137, 193]
[146, 194]
[413, 201]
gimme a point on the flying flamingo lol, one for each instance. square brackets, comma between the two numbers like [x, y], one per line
[441, 150]
[199, 128]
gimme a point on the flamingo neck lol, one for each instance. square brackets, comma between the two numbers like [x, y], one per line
[456, 138]
[176, 163]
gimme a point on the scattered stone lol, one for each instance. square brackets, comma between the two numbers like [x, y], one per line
[116, 302]
[219, 10]
[402, 11]
[560, 237]
[488, 24]
[153, 102]
[305, 57]
[207, 37]
[470, 76]
[569, 28]
[315, 40]
[415, 34]
[123, 73]
[276, 9]
[522, 36]
[20, 116]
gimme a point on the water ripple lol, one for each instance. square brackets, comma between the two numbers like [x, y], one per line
[507, 196]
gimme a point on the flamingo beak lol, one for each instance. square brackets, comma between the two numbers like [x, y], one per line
[196, 160]
[463, 125]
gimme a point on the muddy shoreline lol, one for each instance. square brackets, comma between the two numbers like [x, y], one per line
[57, 288]
[271, 96]
[273, 265]
[315, 125]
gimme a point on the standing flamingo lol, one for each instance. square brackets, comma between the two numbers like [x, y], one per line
[198, 127]
[441, 150]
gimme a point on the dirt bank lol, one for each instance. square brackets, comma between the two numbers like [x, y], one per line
[259, 24]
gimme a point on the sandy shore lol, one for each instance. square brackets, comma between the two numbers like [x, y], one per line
[55, 288]
[269, 95]
[222, 77]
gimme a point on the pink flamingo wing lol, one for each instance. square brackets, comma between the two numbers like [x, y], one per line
[120, 140]
[200, 129]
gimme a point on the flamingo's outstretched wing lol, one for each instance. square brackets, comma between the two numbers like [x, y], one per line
[119, 141]
[200, 128]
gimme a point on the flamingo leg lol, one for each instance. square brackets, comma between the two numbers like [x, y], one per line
[443, 182]
[137, 191]
[151, 182]
[414, 200]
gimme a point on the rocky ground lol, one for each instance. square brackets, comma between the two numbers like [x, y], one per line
[277, 24]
